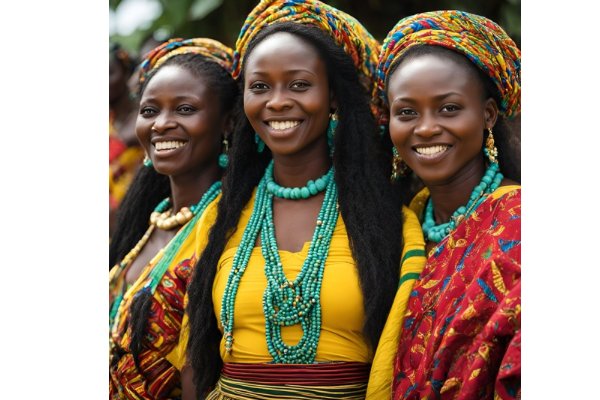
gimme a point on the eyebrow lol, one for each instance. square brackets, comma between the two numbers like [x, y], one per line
[438, 97]
[288, 72]
[179, 98]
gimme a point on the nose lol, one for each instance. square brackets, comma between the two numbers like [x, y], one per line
[164, 121]
[427, 126]
[279, 100]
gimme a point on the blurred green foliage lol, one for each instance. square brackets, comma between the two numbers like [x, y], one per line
[223, 19]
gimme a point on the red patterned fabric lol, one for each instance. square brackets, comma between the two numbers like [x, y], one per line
[461, 336]
[322, 374]
[157, 378]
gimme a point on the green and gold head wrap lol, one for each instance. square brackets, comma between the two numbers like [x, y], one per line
[212, 49]
[481, 40]
[343, 28]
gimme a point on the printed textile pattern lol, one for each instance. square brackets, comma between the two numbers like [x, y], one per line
[123, 162]
[481, 40]
[461, 337]
[156, 377]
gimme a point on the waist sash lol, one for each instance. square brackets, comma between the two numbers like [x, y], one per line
[336, 380]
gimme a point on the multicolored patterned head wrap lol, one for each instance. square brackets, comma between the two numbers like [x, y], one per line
[481, 40]
[214, 50]
[343, 28]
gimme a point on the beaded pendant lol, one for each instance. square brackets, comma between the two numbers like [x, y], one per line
[285, 302]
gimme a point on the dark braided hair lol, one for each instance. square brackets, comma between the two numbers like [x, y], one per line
[506, 139]
[149, 187]
[367, 204]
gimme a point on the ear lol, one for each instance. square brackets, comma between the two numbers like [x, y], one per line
[491, 113]
[332, 100]
[227, 126]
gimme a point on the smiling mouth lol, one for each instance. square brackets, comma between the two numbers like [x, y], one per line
[170, 145]
[281, 125]
[432, 150]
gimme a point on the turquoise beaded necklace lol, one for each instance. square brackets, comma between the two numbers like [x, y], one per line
[285, 302]
[311, 188]
[168, 253]
[488, 184]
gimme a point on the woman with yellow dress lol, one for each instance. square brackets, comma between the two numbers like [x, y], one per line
[300, 269]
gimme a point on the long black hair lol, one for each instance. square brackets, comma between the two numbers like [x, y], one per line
[367, 204]
[149, 187]
[506, 138]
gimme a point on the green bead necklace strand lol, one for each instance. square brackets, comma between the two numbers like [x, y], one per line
[311, 188]
[488, 184]
[285, 302]
[170, 251]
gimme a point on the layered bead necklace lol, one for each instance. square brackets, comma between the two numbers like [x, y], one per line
[167, 254]
[488, 184]
[285, 302]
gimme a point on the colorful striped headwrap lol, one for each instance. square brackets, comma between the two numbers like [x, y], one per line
[483, 42]
[343, 28]
[214, 50]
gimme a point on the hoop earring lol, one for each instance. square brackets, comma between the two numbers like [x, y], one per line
[260, 145]
[399, 167]
[333, 122]
[224, 158]
[490, 150]
[147, 161]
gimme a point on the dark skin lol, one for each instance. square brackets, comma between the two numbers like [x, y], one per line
[179, 107]
[285, 80]
[438, 117]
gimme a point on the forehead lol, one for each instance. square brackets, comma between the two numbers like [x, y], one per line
[174, 79]
[283, 50]
[434, 74]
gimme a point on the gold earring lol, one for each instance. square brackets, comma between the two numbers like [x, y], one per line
[490, 150]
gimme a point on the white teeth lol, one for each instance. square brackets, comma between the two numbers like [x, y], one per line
[431, 150]
[168, 145]
[279, 125]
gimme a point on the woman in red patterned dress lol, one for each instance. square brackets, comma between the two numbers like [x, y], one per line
[451, 80]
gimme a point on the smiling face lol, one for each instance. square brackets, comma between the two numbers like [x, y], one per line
[180, 123]
[438, 114]
[286, 95]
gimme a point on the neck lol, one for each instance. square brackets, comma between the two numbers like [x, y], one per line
[187, 190]
[122, 107]
[447, 197]
[296, 170]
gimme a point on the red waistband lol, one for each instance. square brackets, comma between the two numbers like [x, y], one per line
[323, 374]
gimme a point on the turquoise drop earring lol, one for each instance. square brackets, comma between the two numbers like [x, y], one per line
[333, 122]
[224, 158]
[260, 145]
[147, 161]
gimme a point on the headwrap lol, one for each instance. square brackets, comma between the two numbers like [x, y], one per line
[343, 28]
[212, 49]
[481, 40]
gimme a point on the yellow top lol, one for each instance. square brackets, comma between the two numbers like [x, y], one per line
[413, 261]
[341, 298]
